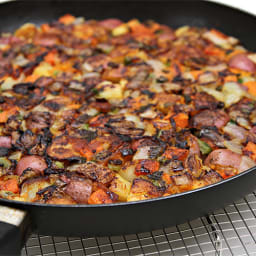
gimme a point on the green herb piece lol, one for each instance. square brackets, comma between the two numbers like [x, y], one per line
[159, 31]
[151, 76]
[95, 91]
[127, 60]
[1, 111]
[240, 80]
[20, 117]
[168, 63]
[231, 121]
[85, 126]
[59, 165]
[56, 72]
[228, 52]
[204, 147]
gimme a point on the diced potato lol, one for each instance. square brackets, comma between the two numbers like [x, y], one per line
[120, 30]
[44, 69]
[121, 187]
[142, 189]
[128, 172]
[180, 31]
[110, 91]
[136, 197]
[28, 30]
[31, 187]
[9, 82]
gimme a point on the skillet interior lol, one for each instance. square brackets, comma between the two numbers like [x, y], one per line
[155, 213]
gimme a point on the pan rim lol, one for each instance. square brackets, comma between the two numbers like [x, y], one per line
[152, 200]
[145, 201]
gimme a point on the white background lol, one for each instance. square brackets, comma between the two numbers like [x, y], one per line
[247, 5]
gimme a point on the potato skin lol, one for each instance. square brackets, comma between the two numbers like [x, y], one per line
[36, 163]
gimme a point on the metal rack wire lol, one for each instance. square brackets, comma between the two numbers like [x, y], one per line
[229, 231]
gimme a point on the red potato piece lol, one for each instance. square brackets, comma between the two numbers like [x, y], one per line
[110, 23]
[79, 190]
[207, 118]
[36, 163]
[241, 61]
[9, 40]
[225, 157]
[5, 141]
[166, 34]
[46, 40]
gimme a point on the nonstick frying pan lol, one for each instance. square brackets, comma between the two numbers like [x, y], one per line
[132, 217]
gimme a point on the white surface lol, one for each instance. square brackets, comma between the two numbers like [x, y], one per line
[11, 216]
[247, 5]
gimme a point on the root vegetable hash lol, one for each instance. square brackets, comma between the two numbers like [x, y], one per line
[97, 112]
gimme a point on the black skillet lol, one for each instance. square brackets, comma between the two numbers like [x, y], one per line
[132, 217]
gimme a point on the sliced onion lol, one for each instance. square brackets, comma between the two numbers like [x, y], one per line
[188, 76]
[156, 87]
[246, 163]
[87, 67]
[78, 20]
[76, 86]
[142, 153]
[216, 94]
[91, 112]
[20, 61]
[106, 48]
[135, 119]
[135, 94]
[9, 82]
[252, 57]
[253, 116]
[224, 42]
[234, 146]
[236, 131]
[172, 87]
[90, 75]
[206, 78]
[217, 68]
[157, 65]
[149, 113]
[243, 122]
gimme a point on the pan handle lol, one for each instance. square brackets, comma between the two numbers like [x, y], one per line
[14, 230]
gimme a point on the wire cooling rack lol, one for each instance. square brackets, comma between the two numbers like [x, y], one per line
[229, 231]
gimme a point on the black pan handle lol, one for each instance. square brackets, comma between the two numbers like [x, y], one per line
[14, 230]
